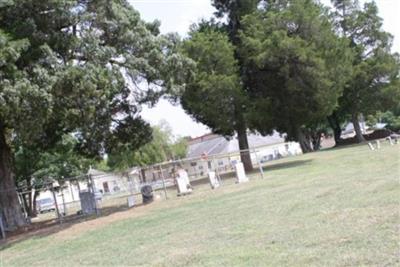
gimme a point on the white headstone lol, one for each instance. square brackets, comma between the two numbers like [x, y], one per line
[88, 203]
[378, 144]
[131, 201]
[240, 174]
[214, 182]
[390, 140]
[371, 146]
[183, 182]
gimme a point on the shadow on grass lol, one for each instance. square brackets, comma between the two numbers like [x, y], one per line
[286, 165]
[44, 228]
[51, 226]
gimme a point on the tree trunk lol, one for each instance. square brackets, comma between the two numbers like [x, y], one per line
[9, 203]
[29, 200]
[143, 172]
[335, 125]
[244, 144]
[304, 141]
[34, 207]
[316, 140]
[356, 124]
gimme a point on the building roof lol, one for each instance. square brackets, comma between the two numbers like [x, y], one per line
[212, 144]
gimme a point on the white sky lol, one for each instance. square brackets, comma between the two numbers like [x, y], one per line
[178, 15]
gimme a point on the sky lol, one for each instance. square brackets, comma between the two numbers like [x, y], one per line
[178, 15]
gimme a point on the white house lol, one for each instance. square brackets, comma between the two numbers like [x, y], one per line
[215, 152]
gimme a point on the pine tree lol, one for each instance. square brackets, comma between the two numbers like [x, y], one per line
[296, 67]
[375, 69]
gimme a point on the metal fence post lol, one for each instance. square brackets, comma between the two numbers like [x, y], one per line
[22, 200]
[163, 181]
[216, 166]
[63, 200]
[56, 204]
[259, 164]
[93, 189]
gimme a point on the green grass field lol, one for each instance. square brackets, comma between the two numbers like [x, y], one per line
[338, 207]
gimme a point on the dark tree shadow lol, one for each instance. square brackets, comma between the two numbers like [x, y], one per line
[286, 165]
[48, 227]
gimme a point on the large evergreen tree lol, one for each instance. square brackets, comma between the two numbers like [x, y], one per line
[214, 95]
[295, 67]
[373, 84]
[279, 65]
[78, 67]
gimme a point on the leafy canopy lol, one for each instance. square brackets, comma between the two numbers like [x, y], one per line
[374, 81]
[295, 65]
[213, 95]
[163, 146]
[83, 67]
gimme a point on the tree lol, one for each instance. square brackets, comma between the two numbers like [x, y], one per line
[223, 90]
[374, 68]
[180, 148]
[82, 68]
[161, 148]
[35, 167]
[390, 117]
[295, 67]
[9, 53]
[214, 95]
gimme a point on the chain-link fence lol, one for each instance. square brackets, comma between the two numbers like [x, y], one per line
[100, 193]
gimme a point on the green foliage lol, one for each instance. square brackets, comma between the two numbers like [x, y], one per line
[215, 86]
[391, 120]
[179, 148]
[81, 68]
[296, 65]
[162, 147]
[33, 165]
[79, 71]
[374, 81]
[279, 65]
[234, 11]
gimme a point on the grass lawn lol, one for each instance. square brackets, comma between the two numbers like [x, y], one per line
[338, 207]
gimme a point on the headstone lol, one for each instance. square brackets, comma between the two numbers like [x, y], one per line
[390, 140]
[88, 203]
[183, 183]
[378, 144]
[240, 174]
[214, 182]
[147, 194]
[371, 146]
[131, 201]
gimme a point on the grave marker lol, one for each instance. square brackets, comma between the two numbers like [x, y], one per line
[371, 146]
[240, 174]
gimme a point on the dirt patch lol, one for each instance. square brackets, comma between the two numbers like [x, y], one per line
[89, 225]
[74, 226]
